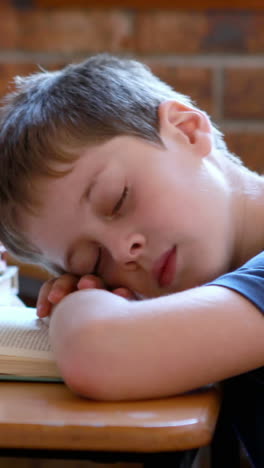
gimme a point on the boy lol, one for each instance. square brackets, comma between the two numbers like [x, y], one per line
[108, 172]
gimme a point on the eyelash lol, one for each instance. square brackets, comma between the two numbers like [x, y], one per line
[120, 202]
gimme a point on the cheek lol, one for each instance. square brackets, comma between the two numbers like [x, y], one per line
[113, 278]
[160, 215]
[137, 282]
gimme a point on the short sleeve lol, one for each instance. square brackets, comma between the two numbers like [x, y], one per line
[247, 280]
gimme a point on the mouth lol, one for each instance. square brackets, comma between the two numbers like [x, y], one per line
[165, 267]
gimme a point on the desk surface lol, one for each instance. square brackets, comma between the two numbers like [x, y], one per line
[50, 416]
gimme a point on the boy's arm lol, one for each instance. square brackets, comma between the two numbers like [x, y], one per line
[109, 348]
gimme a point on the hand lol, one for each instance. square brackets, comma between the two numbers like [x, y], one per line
[54, 290]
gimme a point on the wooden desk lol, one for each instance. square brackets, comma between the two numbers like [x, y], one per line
[47, 416]
[29, 271]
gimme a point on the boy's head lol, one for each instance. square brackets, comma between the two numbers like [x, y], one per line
[52, 116]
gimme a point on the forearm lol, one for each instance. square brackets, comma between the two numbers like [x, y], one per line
[155, 347]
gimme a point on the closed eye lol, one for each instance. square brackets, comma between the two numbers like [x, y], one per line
[120, 201]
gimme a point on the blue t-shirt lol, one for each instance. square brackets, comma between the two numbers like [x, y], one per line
[243, 404]
[247, 280]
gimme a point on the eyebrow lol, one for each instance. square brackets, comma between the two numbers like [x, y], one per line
[87, 192]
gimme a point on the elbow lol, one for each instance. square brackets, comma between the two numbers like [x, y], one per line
[87, 359]
[89, 381]
[83, 365]
[90, 373]
[79, 374]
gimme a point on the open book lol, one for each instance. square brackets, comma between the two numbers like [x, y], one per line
[25, 352]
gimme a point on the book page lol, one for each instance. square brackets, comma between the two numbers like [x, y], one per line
[22, 333]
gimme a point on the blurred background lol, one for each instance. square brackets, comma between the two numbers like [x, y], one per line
[214, 54]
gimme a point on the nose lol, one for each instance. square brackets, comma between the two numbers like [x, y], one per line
[127, 251]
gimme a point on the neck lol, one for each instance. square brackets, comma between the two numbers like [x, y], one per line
[248, 192]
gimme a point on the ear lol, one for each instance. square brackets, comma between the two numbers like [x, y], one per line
[187, 125]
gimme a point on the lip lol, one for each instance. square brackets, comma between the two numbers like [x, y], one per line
[165, 267]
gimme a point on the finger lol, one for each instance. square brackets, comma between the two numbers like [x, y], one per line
[90, 282]
[62, 286]
[43, 304]
[124, 292]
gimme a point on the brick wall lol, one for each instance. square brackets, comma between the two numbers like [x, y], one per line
[216, 56]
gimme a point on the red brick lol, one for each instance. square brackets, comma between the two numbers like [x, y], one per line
[255, 40]
[191, 31]
[6, 4]
[170, 31]
[244, 93]
[9, 28]
[9, 71]
[249, 146]
[195, 82]
[229, 31]
[68, 31]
